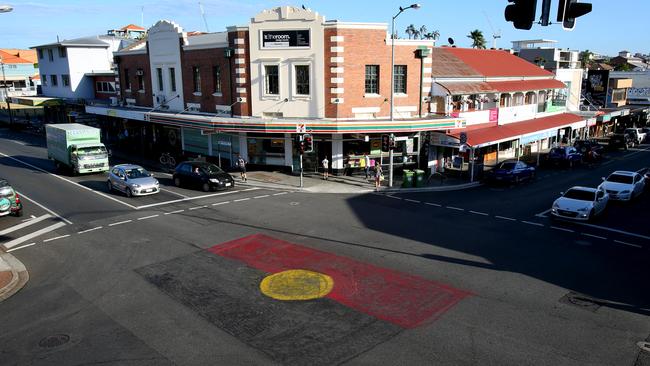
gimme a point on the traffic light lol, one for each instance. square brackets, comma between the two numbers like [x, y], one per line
[569, 10]
[521, 13]
[391, 143]
[301, 147]
[308, 142]
[385, 143]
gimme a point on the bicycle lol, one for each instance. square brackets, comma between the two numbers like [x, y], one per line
[167, 160]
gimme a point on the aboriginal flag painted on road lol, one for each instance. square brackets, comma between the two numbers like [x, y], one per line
[367, 305]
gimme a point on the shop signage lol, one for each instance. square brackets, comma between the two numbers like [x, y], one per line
[223, 110]
[441, 139]
[285, 38]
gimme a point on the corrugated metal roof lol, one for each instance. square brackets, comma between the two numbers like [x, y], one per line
[446, 64]
[495, 63]
[455, 88]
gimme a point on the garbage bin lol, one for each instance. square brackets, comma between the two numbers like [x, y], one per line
[419, 178]
[407, 181]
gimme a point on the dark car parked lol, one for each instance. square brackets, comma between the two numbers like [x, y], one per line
[584, 146]
[202, 175]
[511, 171]
[618, 141]
[566, 155]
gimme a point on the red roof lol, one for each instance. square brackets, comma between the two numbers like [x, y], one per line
[132, 27]
[525, 85]
[511, 131]
[496, 62]
[8, 58]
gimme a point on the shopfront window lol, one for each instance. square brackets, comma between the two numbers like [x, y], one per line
[266, 149]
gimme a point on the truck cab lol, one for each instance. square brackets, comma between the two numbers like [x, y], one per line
[88, 158]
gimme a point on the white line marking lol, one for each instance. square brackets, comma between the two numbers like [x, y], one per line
[532, 223]
[147, 217]
[174, 193]
[22, 195]
[196, 208]
[220, 203]
[432, 204]
[397, 198]
[455, 208]
[262, 196]
[543, 213]
[562, 229]
[19, 143]
[120, 222]
[241, 199]
[280, 194]
[630, 244]
[174, 212]
[13, 243]
[21, 247]
[410, 200]
[505, 218]
[194, 198]
[594, 236]
[33, 217]
[89, 230]
[613, 230]
[56, 238]
[25, 224]
[479, 213]
[69, 181]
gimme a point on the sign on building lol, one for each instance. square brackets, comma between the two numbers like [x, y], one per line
[285, 38]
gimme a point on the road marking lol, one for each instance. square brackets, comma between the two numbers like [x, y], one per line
[613, 230]
[432, 204]
[120, 222]
[594, 236]
[22, 195]
[174, 212]
[196, 208]
[69, 181]
[397, 198]
[630, 244]
[262, 196]
[19, 143]
[280, 194]
[532, 223]
[562, 229]
[543, 213]
[174, 193]
[56, 238]
[194, 198]
[410, 200]
[22, 239]
[25, 224]
[505, 218]
[241, 199]
[21, 247]
[220, 203]
[455, 208]
[89, 230]
[479, 213]
[147, 217]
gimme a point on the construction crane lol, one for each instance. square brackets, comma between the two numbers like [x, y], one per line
[203, 16]
[495, 35]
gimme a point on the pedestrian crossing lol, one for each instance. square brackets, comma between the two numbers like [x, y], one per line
[23, 231]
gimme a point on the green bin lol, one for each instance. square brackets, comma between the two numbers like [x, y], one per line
[407, 182]
[419, 178]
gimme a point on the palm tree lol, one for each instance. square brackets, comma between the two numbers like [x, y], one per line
[585, 57]
[436, 34]
[410, 30]
[416, 34]
[423, 31]
[478, 41]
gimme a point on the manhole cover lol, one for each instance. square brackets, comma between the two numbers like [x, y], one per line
[54, 341]
[294, 203]
[644, 346]
[581, 301]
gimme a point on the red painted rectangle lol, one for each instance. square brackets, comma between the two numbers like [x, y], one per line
[392, 296]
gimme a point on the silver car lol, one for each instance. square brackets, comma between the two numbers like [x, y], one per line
[132, 180]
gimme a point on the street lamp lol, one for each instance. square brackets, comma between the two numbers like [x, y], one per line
[392, 82]
[5, 8]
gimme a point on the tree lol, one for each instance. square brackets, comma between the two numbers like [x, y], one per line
[423, 31]
[416, 34]
[478, 41]
[585, 57]
[410, 30]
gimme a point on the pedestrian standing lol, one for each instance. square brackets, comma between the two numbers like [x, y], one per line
[366, 160]
[326, 165]
[378, 175]
[241, 163]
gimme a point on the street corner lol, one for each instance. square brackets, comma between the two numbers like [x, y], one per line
[296, 304]
[13, 275]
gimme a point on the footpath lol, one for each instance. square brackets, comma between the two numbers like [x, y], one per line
[13, 275]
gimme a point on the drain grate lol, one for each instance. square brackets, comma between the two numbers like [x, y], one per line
[54, 341]
[644, 346]
[582, 301]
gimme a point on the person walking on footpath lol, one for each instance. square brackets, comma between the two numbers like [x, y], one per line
[366, 160]
[241, 163]
[378, 175]
[326, 165]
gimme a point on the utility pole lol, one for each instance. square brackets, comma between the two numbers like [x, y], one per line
[4, 83]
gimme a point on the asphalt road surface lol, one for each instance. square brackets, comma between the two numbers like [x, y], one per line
[480, 276]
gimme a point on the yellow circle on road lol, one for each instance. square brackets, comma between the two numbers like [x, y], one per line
[296, 284]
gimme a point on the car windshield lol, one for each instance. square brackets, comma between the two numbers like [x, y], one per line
[95, 150]
[578, 194]
[507, 165]
[617, 178]
[136, 173]
[211, 169]
[6, 192]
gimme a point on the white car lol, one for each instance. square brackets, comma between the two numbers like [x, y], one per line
[623, 185]
[580, 203]
[638, 133]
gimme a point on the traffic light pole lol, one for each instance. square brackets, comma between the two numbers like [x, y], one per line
[390, 163]
[301, 171]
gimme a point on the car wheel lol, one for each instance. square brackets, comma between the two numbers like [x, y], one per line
[129, 193]
[177, 182]
[110, 186]
[205, 187]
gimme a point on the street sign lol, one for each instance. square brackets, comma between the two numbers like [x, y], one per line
[463, 137]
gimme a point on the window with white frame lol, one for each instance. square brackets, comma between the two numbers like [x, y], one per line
[105, 86]
[172, 79]
[196, 79]
[160, 78]
[216, 76]
[140, 74]
[271, 80]
[400, 79]
[65, 80]
[372, 79]
[302, 79]
[54, 80]
[50, 54]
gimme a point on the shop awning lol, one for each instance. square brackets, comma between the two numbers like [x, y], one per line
[456, 88]
[537, 127]
[526, 85]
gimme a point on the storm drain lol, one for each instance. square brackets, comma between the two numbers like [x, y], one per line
[54, 341]
[644, 346]
[582, 301]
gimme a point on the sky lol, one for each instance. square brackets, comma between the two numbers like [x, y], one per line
[612, 26]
